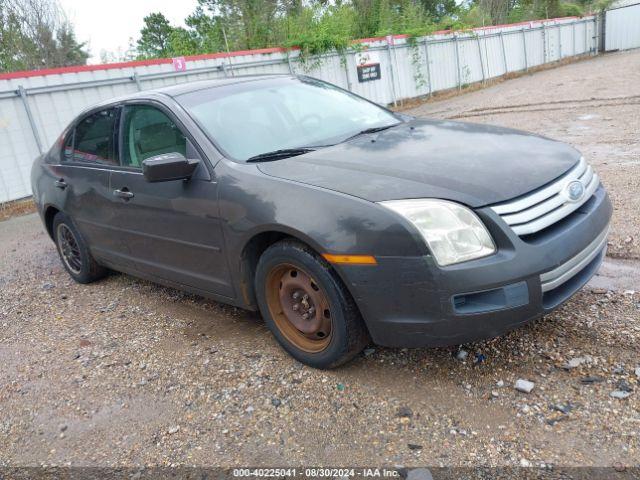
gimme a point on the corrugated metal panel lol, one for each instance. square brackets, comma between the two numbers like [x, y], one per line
[622, 28]
[494, 54]
[17, 149]
[444, 68]
[623, 3]
[514, 51]
[410, 68]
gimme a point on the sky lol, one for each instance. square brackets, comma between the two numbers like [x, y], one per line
[108, 24]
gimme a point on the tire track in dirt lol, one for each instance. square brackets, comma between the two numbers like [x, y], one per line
[557, 102]
[552, 106]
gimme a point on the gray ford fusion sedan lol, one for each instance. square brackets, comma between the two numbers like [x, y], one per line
[340, 221]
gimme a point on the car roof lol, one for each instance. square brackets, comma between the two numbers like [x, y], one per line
[187, 87]
[175, 90]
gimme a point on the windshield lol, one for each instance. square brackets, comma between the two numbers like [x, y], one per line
[256, 117]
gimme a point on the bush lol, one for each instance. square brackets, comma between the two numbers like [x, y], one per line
[476, 16]
[571, 10]
[318, 30]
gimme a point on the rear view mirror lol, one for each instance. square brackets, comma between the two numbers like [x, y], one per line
[167, 167]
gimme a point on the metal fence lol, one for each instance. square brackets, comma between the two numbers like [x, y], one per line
[622, 27]
[36, 106]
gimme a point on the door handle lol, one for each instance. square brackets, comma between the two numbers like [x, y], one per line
[124, 193]
[61, 184]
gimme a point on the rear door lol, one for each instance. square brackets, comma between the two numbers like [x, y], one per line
[89, 155]
[172, 228]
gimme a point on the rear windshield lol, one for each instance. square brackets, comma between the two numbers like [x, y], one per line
[255, 117]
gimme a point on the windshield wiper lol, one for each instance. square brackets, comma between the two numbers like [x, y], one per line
[370, 130]
[278, 154]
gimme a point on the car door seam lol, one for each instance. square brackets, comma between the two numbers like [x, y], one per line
[155, 237]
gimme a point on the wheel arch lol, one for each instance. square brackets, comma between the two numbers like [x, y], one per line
[49, 214]
[257, 244]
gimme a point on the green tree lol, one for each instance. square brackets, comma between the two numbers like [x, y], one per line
[318, 29]
[317, 26]
[36, 34]
[248, 23]
[314, 25]
[155, 37]
[208, 30]
[182, 42]
[68, 51]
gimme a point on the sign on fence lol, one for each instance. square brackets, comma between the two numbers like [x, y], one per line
[366, 73]
[368, 66]
[179, 64]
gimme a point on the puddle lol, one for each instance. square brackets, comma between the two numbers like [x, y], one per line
[617, 274]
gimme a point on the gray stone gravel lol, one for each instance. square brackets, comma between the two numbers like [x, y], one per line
[524, 386]
[123, 372]
[126, 373]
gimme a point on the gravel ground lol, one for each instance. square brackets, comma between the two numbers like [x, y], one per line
[125, 373]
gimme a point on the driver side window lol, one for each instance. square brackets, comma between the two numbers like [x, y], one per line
[148, 132]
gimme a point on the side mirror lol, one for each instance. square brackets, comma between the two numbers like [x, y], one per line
[167, 167]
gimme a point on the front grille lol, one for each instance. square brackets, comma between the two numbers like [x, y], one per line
[538, 210]
[565, 272]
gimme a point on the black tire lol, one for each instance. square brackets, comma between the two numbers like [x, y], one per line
[82, 267]
[348, 333]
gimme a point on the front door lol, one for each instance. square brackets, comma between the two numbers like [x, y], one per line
[172, 228]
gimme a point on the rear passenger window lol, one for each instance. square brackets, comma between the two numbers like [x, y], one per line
[95, 139]
[148, 132]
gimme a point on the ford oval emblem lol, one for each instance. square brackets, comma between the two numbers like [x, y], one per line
[574, 191]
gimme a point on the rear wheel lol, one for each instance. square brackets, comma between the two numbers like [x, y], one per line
[307, 307]
[74, 252]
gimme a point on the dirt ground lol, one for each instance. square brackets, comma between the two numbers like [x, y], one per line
[125, 373]
[18, 207]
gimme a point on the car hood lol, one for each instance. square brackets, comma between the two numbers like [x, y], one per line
[465, 162]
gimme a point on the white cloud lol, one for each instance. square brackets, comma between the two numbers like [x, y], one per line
[108, 24]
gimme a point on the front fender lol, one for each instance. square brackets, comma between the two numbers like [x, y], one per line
[252, 203]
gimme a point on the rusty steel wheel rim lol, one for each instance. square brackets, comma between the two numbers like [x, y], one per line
[299, 307]
[69, 248]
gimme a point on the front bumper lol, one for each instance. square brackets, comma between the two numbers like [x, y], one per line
[412, 302]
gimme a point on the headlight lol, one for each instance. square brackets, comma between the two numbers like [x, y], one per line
[453, 233]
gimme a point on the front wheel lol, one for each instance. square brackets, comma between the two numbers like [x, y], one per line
[74, 252]
[306, 306]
